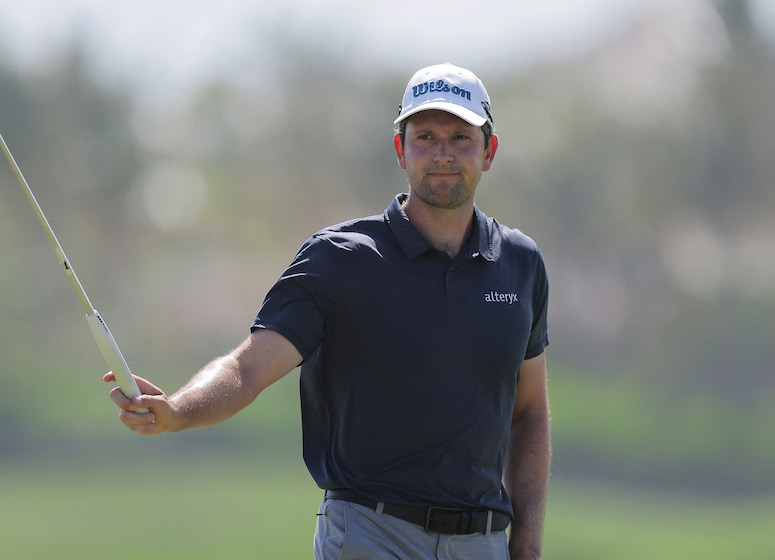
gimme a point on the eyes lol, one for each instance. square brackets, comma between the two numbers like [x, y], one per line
[457, 137]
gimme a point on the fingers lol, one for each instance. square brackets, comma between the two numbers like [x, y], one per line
[153, 399]
[145, 386]
[150, 422]
[140, 422]
[121, 400]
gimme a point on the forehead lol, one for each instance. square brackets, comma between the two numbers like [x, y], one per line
[434, 118]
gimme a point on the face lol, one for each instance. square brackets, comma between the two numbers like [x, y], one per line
[444, 157]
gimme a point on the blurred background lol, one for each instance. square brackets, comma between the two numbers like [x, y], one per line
[182, 152]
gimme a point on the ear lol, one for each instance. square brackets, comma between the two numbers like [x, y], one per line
[399, 147]
[489, 153]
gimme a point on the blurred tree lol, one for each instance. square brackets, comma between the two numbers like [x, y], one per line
[641, 166]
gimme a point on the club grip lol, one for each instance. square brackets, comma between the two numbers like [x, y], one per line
[113, 356]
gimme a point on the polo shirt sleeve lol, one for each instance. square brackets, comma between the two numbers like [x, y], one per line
[539, 334]
[295, 306]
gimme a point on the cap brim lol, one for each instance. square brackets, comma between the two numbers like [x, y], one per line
[465, 114]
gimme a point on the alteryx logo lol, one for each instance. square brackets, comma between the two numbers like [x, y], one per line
[440, 86]
[498, 297]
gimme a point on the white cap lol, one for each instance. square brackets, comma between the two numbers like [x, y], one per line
[447, 87]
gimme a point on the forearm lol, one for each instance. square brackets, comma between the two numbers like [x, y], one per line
[526, 477]
[214, 394]
[217, 392]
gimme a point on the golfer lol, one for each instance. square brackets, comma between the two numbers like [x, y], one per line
[421, 335]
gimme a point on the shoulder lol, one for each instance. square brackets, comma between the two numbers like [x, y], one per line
[350, 236]
[512, 241]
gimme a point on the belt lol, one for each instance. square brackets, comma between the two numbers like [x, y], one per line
[439, 520]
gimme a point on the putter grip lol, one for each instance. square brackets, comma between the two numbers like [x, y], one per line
[113, 356]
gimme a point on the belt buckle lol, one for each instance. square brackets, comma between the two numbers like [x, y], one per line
[463, 521]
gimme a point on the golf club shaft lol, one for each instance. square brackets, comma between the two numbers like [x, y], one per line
[100, 332]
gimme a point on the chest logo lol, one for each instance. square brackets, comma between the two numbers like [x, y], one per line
[499, 297]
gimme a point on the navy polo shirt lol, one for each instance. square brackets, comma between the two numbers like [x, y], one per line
[411, 359]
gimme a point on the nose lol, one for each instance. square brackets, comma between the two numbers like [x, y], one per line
[443, 153]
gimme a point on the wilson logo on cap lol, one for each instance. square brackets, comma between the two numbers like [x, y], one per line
[440, 86]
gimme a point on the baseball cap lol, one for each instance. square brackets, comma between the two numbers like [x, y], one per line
[446, 87]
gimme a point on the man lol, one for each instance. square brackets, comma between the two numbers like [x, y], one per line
[421, 335]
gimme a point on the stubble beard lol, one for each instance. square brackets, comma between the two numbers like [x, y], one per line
[445, 196]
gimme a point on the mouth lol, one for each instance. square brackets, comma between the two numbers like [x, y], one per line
[442, 174]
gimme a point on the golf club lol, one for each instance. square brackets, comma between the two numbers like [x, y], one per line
[99, 329]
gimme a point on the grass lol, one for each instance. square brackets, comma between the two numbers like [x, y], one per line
[177, 508]
[614, 523]
[240, 490]
[211, 504]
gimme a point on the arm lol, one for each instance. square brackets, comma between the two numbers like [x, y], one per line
[217, 392]
[526, 474]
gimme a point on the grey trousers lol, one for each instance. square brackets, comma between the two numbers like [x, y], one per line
[347, 531]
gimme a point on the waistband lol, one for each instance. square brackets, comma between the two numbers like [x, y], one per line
[434, 519]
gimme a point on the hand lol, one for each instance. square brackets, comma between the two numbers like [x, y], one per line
[161, 412]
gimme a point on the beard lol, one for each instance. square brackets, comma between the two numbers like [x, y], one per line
[447, 194]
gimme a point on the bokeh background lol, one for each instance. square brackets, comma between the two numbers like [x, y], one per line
[183, 151]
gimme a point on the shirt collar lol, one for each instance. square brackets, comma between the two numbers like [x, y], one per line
[481, 243]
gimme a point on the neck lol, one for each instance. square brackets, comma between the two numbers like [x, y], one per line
[444, 228]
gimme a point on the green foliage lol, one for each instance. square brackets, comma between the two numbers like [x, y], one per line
[624, 425]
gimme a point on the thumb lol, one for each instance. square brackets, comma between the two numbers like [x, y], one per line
[150, 401]
[146, 387]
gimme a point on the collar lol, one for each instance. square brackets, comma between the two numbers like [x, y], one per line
[480, 243]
